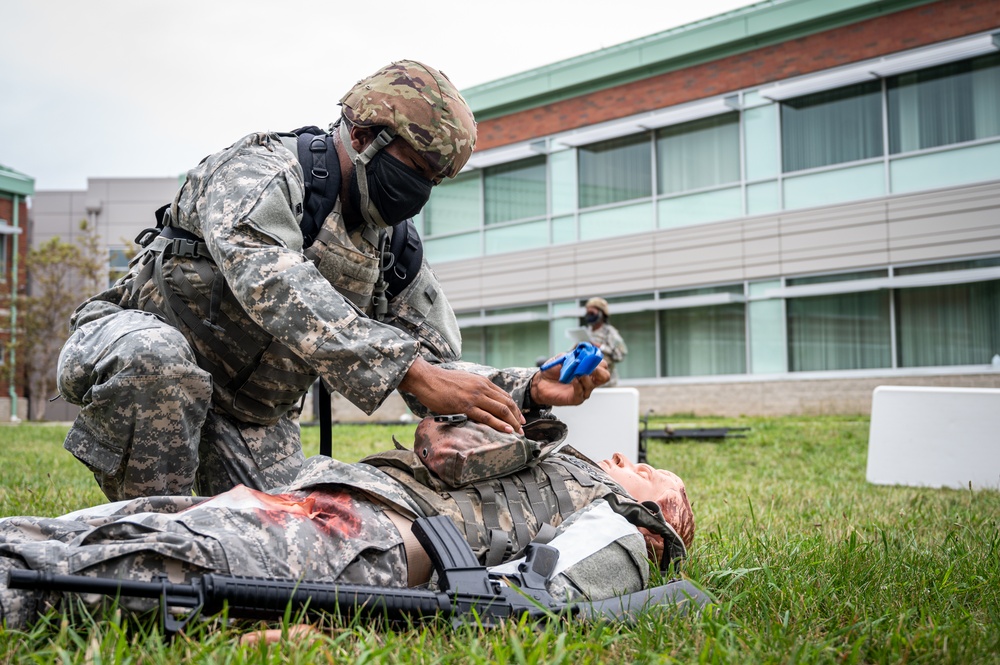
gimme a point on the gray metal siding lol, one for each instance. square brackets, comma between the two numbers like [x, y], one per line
[929, 226]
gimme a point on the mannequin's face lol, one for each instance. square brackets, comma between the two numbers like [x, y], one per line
[642, 481]
[664, 488]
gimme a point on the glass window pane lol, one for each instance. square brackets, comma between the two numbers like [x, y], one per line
[848, 331]
[562, 175]
[852, 183]
[517, 344]
[760, 126]
[701, 208]
[958, 166]
[768, 354]
[117, 264]
[563, 230]
[515, 190]
[559, 338]
[699, 154]
[700, 341]
[473, 345]
[454, 206]
[942, 105]
[634, 218]
[639, 332]
[832, 127]
[763, 198]
[517, 237]
[955, 324]
[838, 277]
[969, 264]
[616, 170]
[702, 291]
[453, 248]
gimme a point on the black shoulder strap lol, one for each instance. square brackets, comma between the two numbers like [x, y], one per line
[321, 171]
[407, 254]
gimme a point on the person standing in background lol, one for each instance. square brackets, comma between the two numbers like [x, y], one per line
[605, 336]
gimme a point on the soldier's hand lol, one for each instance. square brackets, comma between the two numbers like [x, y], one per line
[454, 391]
[546, 389]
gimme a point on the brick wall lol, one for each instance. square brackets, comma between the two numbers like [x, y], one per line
[919, 26]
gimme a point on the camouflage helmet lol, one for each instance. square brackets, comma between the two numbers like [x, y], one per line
[601, 305]
[419, 104]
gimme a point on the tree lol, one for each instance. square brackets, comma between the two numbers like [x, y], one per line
[62, 275]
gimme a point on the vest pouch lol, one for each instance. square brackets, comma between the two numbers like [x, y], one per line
[461, 454]
[422, 309]
[351, 271]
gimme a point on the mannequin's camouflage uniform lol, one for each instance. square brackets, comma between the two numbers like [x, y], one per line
[329, 525]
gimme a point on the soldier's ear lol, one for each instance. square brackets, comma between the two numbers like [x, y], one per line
[361, 137]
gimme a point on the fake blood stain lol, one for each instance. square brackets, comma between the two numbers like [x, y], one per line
[331, 511]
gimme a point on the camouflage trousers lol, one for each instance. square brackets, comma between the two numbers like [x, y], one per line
[317, 535]
[147, 426]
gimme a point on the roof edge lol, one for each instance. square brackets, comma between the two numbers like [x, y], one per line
[727, 34]
[13, 182]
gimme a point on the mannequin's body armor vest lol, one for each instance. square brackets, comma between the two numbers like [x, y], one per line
[256, 378]
[501, 516]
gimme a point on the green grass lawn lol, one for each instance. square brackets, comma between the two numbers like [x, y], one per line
[809, 563]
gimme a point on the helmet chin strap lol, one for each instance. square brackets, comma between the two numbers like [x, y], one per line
[361, 161]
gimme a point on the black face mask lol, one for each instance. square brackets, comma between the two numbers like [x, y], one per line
[591, 319]
[397, 191]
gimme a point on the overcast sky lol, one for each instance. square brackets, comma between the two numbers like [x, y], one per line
[146, 88]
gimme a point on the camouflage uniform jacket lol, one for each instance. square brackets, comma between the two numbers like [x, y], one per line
[264, 317]
[610, 342]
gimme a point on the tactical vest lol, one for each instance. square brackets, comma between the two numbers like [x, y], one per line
[256, 378]
[502, 515]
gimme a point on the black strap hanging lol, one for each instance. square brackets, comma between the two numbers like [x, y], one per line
[325, 422]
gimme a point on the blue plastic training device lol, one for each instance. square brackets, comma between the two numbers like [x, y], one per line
[581, 361]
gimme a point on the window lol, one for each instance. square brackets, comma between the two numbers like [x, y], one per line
[117, 264]
[616, 170]
[699, 154]
[969, 264]
[838, 277]
[845, 331]
[943, 105]
[515, 190]
[472, 345]
[516, 344]
[702, 341]
[957, 324]
[638, 330]
[832, 127]
[454, 206]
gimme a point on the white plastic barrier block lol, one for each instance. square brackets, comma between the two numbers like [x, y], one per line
[935, 437]
[605, 424]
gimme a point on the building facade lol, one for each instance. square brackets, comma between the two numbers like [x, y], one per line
[786, 206]
[15, 188]
[117, 209]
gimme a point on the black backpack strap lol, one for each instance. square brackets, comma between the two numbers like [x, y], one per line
[408, 255]
[321, 173]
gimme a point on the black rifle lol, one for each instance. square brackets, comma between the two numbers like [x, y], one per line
[468, 590]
